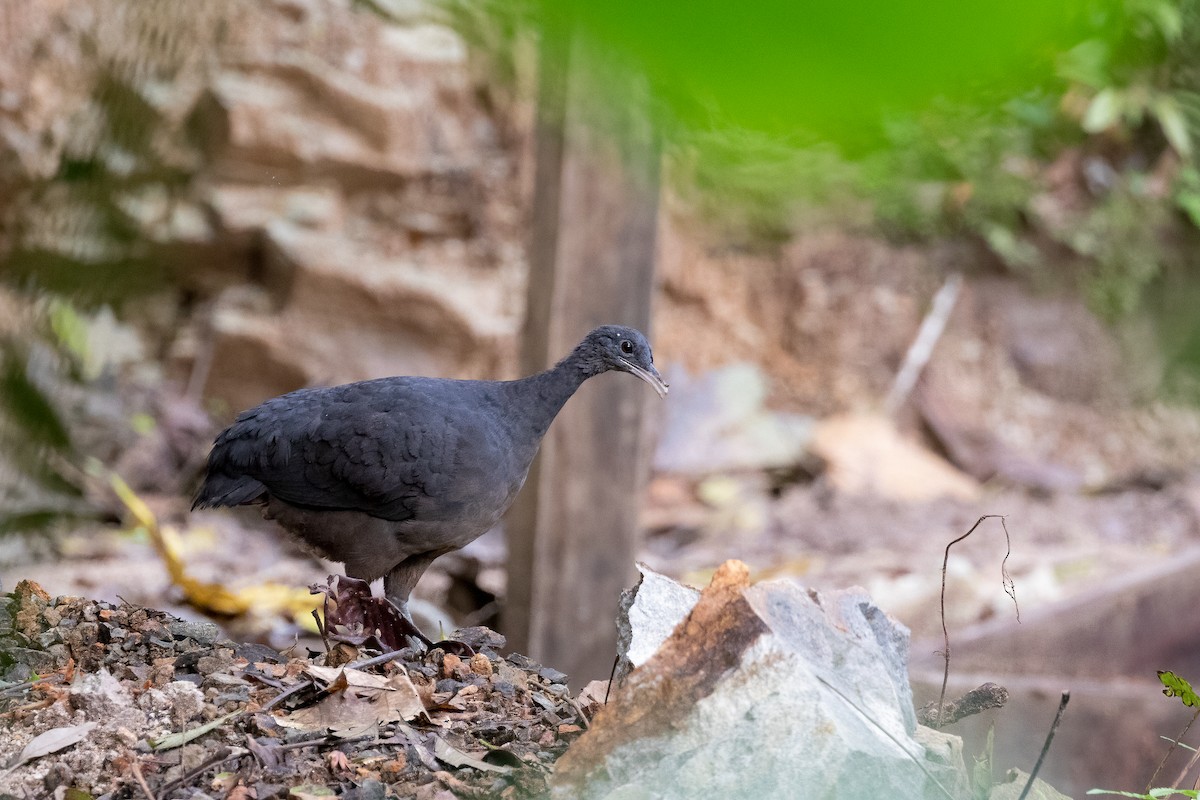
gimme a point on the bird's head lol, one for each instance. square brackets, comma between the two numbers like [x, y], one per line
[620, 348]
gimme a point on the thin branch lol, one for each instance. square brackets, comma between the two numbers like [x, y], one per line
[218, 759]
[1062, 706]
[888, 734]
[137, 773]
[321, 629]
[921, 350]
[279, 698]
[29, 684]
[382, 658]
[1174, 743]
[612, 676]
[1191, 762]
[1010, 589]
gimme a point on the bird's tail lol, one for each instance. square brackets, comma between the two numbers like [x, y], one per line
[220, 489]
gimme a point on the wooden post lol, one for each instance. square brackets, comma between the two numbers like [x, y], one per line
[572, 533]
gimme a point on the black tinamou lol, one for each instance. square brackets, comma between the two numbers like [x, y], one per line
[386, 475]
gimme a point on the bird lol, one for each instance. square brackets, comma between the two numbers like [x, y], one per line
[386, 475]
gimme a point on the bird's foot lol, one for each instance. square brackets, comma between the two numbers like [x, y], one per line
[406, 627]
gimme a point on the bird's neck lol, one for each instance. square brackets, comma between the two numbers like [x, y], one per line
[545, 393]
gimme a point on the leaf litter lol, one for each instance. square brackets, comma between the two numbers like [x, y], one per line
[95, 696]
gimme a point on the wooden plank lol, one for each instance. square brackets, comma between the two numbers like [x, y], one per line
[573, 532]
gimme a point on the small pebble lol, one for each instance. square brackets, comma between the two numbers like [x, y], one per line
[481, 665]
[552, 675]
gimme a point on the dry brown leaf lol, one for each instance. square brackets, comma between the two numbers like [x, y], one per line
[341, 677]
[363, 703]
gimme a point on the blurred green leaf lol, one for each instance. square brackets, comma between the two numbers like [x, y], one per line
[1164, 14]
[826, 66]
[1174, 126]
[1087, 63]
[1104, 111]
[142, 423]
[1187, 194]
[69, 328]
[1175, 686]
[27, 406]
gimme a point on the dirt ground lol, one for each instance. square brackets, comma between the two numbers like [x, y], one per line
[132, 702]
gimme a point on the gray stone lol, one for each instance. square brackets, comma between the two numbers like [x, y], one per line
[718, 422]
[766, 690]
[200, 632]
[38, 661]
[648, 614]
[103, 698]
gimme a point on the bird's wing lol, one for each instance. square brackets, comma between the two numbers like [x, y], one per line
[377, 448]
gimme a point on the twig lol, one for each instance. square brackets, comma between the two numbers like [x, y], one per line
[326, 740]
[382, 658]
[263, 679]
[1010, 589]
[611, 677]
[321, 629]
[29, 684]
[279, 698]
[1191, 762]
[888, 734]
[1174, 744]
[137, 773]
[207, 765]
[1062, 706]
[579, 710]
[920, 351]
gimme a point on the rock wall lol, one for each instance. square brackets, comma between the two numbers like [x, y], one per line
[321, 181]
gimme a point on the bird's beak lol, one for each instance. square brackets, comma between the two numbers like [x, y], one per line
[650, 376]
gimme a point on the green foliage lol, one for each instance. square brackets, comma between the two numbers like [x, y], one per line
[829, 68]
[36, 442]
[755, 186]
[495, 30]
[1175, 686]
[40, 371]
[983, 770]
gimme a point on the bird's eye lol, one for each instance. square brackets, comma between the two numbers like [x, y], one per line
[626, 346]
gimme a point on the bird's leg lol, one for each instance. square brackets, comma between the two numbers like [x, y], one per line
[398, 585]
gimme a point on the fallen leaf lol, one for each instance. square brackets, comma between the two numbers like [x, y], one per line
[366, 701]
[310, 791]
[52, 741]
[335, 676]
[174, 740]
[353, 615]
[457, 758]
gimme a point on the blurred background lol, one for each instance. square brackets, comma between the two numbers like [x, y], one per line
[911, 263]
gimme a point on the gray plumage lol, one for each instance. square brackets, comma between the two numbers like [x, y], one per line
[386, 475]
